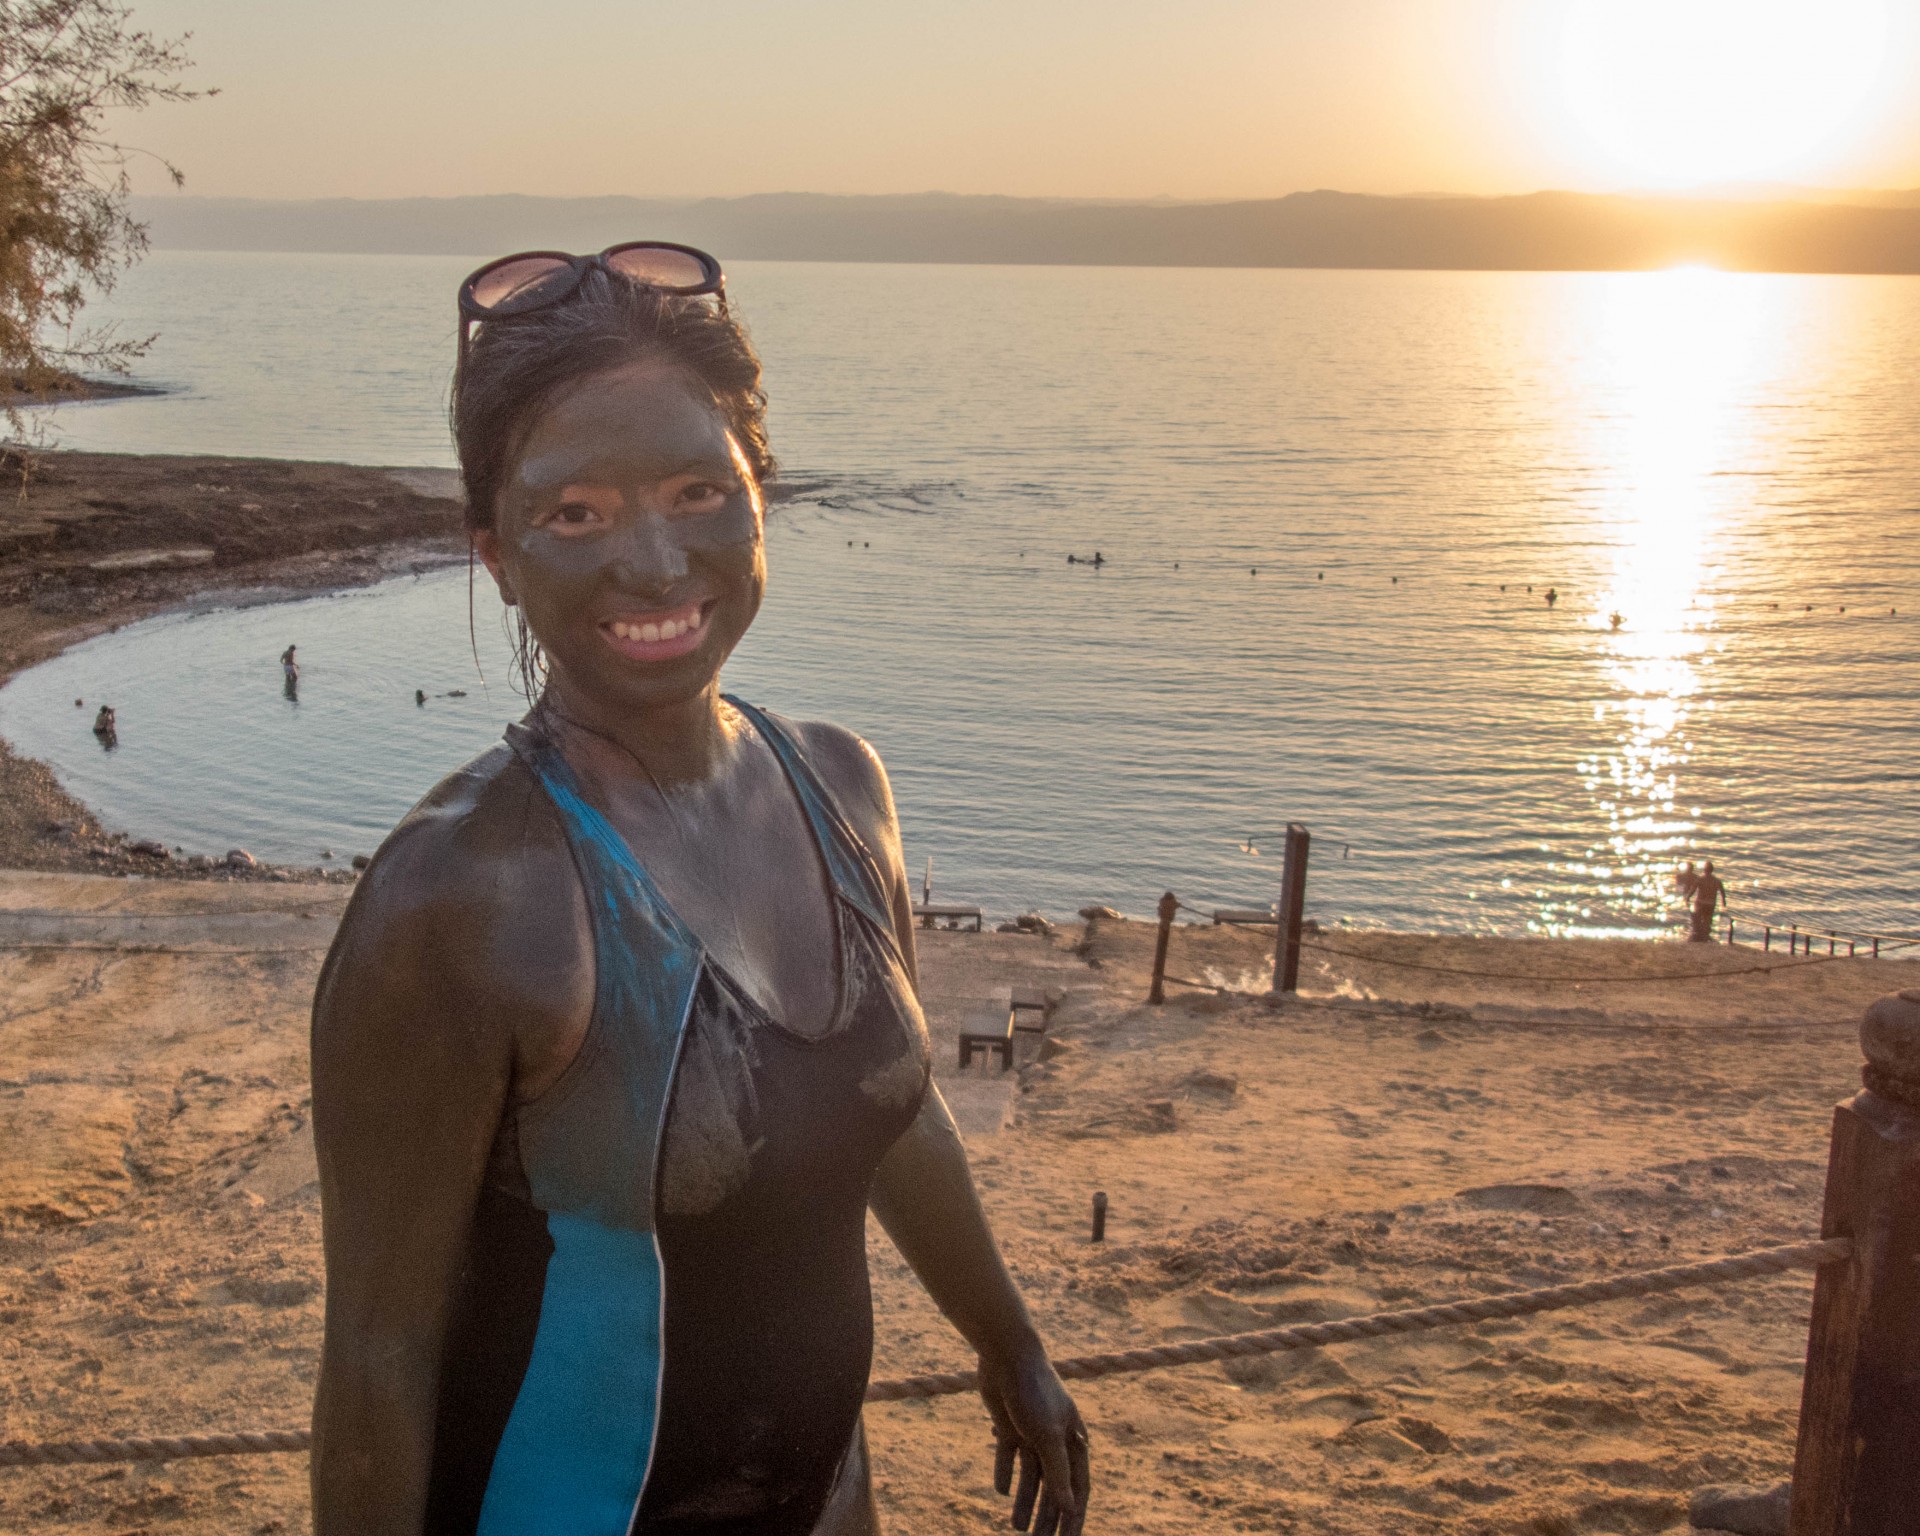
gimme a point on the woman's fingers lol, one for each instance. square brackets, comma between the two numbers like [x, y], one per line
[1029, 1487]
[1004, 1446]
[1056, 1464]
[1082, 1483]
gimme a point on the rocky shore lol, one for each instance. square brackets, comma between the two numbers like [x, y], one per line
[92, 541]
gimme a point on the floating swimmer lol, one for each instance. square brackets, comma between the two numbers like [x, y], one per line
[1616, 619]
[1553, 595]
[420, 697]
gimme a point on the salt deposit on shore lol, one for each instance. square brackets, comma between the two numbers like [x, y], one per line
[1394, 1137]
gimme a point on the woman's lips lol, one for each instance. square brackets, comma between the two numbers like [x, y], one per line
[656, 636]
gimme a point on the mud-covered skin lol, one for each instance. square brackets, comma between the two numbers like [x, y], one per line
[462, 979]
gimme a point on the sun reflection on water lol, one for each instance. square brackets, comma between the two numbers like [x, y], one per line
[1675, 358]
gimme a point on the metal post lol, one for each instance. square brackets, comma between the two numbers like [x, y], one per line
[1293, 902]
[1767, 941]
[1833, 943]
[1729, 930]
[1876, 949]
[1854, 1471]
[1793, 939]
[1099, 1215]
[1169, 904]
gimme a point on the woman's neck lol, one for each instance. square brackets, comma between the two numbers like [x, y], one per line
[685, 742]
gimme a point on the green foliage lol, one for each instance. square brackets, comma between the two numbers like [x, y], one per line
[64, 228]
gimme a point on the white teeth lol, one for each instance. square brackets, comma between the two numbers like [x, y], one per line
[659, 629]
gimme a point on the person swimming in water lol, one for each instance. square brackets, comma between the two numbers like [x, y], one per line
[620, 1039]
[106, 727]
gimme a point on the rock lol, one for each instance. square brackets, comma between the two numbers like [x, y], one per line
[1090, 913]
[1033, 922]
[1741, 1510]
[1052, 1049]
[239, 858]
[270, 1293]
[326, 853]
[1539, 1199]
[148, 848]
[361, 861]
[199, 861]
[1159, 1114]
[1212, 1085]
[1009, 928]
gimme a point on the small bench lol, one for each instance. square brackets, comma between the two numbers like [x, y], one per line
[931, 912]
[1248, 917]
[988, 1029]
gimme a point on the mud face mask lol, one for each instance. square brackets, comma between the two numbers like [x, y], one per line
[534, 280]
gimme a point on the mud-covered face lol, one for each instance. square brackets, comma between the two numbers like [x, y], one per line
[628, 530]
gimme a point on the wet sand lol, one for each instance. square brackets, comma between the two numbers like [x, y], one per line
[1389, 1139]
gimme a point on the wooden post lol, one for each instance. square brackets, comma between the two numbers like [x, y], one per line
[1293, 903]
[1855, 1471]
[1100, 1216]
[1169, 904]
[1767, 941]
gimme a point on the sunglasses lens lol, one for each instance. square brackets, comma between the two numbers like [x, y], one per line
[523, 284]
[659, 267]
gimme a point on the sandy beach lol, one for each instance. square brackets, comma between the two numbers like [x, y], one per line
[1389, 1138]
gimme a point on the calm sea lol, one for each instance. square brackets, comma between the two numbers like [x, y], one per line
[1331, 506]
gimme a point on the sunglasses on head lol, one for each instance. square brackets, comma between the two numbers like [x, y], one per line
[535, 280]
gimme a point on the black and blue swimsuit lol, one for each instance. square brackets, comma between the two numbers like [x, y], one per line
[664, 1325]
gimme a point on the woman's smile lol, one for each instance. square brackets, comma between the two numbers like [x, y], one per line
[658, 635]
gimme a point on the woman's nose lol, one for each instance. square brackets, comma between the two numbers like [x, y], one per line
[649, 558]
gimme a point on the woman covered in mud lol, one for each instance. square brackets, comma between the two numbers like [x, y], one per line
[619, 1039]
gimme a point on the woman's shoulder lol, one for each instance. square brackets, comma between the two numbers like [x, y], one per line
[853, 774]
[480, 854]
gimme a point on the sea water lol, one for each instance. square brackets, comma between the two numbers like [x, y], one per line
[1330, 505]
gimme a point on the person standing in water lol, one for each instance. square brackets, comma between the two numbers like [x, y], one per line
[105, 728]
[1709, 895]
[620, 1039]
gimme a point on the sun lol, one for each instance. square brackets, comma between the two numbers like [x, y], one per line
[1688, 93]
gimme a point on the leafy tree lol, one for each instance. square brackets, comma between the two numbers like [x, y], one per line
[65, 232]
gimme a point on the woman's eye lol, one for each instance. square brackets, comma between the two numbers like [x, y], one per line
[574, 514]
[702, 495]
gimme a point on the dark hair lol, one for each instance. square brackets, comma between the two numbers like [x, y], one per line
[516, 366]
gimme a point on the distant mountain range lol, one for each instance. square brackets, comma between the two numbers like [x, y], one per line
[1545, 231]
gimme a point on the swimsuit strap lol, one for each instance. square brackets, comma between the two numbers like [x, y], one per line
[647, 966]
[851, 866]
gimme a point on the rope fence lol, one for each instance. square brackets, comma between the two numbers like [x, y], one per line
[1584, 979]
[1478, 1309]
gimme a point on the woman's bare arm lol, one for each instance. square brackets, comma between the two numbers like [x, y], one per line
[463, 944]
[924, 1196]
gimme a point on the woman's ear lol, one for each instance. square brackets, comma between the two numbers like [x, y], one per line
[486, 544]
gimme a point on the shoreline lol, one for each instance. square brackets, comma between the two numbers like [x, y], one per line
[96, 541]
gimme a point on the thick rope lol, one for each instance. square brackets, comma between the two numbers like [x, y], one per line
[1741, 1266]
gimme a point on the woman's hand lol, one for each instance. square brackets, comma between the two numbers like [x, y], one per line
[1035, 1420]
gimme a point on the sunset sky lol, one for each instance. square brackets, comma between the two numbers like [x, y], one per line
[1077, 98]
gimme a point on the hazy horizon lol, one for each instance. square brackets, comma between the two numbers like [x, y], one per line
[1223, 100]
